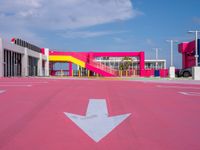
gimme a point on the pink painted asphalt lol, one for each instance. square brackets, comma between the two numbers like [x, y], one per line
[32, 118]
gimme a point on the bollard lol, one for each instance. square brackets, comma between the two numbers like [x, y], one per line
[121, 73]
[134, 72]
[79, 74]
[126, 73]
[61, 73]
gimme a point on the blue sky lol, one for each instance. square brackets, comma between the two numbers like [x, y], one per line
[101, 25]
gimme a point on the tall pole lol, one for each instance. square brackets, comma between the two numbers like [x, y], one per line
[172, 49]
[196, 46]
[171, 52]
[196, 52]
[156, 49]
[156, 54]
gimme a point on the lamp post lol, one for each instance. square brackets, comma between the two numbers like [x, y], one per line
[172, 42]
[156, 49]
[172, 68]
[196, 69]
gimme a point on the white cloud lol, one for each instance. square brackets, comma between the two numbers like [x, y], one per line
[85, 13]
[119, 40]
[87, 34]
[83, 34]
[28, 15]
[65, 14]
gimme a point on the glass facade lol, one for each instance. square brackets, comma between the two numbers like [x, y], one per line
[32, 66]
[12, 63]
[152, 65]
[117, 62]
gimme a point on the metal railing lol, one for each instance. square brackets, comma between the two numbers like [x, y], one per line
[103, 67]
[93, 63]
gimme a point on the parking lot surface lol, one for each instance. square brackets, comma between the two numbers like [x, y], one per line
[61, 114]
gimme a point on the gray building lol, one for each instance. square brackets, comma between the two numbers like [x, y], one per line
[20, 58]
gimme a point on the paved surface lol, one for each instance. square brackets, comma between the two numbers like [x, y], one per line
[164, 116]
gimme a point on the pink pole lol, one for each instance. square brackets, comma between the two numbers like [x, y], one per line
[51, 64]
[70, 69]
[142, 64]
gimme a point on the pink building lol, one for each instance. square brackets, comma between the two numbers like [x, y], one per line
[187, 49]
[107, 64]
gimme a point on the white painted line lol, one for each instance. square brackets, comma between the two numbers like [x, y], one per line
[178, 87]
[23, 82]
[97, 123]
[28, 85]
[190, 93]
[2, 91]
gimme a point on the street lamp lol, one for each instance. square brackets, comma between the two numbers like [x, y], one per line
[196, 69]
[172, 68]
[196, 46]
[156, 49]
[172, 49]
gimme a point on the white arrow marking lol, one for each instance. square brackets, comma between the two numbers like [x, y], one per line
[178, 87]
[22, 82]
[190, 93]
[97, 124]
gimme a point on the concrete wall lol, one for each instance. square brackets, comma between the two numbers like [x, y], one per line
[46, 62]
[25, 63]
[1, 58]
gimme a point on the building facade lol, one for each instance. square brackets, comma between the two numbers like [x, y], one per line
[103, 64]
[20, 58]
[187, 49]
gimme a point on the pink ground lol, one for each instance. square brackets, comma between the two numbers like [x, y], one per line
[32, 118]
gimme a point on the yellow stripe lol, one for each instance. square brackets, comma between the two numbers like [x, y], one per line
[67, 58]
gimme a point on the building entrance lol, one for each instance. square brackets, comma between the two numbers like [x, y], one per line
[33, 66]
